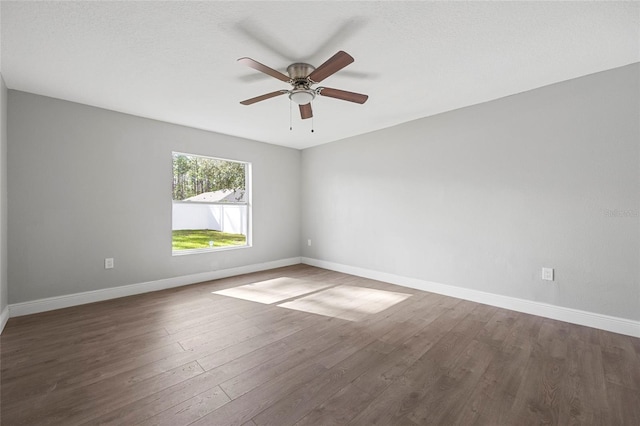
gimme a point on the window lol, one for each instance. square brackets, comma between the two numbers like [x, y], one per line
[210, 204]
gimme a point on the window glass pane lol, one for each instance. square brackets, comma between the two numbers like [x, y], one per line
[205, 179]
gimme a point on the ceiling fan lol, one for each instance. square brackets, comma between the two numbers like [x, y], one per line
[302, 76]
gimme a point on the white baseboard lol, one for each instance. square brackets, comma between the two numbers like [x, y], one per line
[59, 302]
[574, 316]
[4, 317]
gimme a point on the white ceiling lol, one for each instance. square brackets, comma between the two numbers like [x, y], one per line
[176, 61]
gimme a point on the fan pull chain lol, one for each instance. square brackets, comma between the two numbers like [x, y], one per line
[311, 121]
[290, 116]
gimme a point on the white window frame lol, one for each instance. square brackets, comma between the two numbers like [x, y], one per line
[247, 203]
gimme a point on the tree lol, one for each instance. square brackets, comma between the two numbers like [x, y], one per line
[181, 167]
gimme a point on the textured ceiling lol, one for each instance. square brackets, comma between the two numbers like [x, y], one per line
[176, 61]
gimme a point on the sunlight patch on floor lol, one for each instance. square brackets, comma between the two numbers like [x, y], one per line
[347, 302]
[272, 291]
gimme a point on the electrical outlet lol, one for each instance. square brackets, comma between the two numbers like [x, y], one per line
[309, 242]
[547, 274]
[108, 263]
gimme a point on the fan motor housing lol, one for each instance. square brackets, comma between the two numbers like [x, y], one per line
[299, 71]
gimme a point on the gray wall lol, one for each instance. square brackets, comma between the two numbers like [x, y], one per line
[4, 298]
[87, 183]
[480, 198]
[485, 196]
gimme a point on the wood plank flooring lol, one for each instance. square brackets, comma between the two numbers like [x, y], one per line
[189, 356]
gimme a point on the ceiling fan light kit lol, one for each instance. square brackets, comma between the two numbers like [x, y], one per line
[302, 76]
[302, 96]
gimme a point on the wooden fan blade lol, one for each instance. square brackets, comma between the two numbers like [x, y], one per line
[331, 66]
[263, 97]
[343, 95]
[305, 111]
[263, 68]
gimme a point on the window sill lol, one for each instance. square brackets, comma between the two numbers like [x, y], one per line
[207, 250]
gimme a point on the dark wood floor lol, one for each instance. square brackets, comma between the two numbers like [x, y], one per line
[189, 356]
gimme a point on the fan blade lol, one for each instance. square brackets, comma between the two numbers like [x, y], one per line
[331, 66]
[305, 111]
[263, 68]
[263, 97]
[343, 95]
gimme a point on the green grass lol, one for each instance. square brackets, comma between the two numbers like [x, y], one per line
[189, 239]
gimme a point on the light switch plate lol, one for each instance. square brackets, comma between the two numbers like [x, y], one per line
[547, 274]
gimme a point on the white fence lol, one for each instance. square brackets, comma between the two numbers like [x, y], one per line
[231, 218]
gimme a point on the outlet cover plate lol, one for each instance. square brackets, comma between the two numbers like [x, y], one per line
[108, 263]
